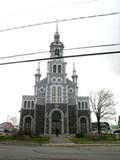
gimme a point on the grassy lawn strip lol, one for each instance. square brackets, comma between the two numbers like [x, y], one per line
[95, 139]
[25, 139]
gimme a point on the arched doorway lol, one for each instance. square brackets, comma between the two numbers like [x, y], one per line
[56, 122]
[83, 125]
[28, 124]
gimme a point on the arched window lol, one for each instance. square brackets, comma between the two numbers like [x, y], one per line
[32, 106]
[82, 105]
[57, 52]
[25, 104]
[54, 68]
[28, 104]
[28, 123]
[59, 94]
[54, 94]
[79, 104]
[86, 105]
[59, 68]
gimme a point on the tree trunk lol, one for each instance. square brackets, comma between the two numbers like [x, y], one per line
[98, 125]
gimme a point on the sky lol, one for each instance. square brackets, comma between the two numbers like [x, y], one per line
[94, 72]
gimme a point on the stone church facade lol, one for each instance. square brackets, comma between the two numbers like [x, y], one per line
[55, 103]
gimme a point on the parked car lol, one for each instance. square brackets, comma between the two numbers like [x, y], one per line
[116, 131]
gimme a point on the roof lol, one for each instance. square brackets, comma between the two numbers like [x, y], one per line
[83, 98]
[7, 125]
[28, 97]
[43, 81]
[70, 82]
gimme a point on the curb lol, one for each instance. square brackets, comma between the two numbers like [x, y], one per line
[58, 144]
[76, 145]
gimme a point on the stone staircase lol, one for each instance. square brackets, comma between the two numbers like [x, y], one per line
[59, 140]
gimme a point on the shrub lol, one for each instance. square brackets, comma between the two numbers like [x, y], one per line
[80, 135]
[22, 134]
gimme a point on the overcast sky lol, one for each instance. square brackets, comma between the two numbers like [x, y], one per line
[94, 73]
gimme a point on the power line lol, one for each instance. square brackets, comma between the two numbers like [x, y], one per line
[76, 48]
[71, 56]
[95, 46]
[26, 54]
[62, 20]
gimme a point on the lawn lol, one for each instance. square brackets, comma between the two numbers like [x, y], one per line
[95, 139]
[25, 139]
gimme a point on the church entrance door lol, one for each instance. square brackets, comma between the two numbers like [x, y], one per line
[27, 124]
[56, 122]
[83, 125]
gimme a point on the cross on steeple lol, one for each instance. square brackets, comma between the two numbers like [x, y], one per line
[57, 25]
[56, 35]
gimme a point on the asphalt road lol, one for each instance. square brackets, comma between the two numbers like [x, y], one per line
[10, 152]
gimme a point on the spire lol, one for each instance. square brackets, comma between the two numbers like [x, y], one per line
[74, 71]
[74, 76]
[56, 47]
[57, 25]
[38, 69]
[37, 75]
[56, 35]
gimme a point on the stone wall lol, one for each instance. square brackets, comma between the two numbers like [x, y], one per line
[72, 119]
[62, 107]
[39, 119]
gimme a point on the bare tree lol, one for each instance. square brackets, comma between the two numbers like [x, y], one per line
[12, 119]
[102, 105]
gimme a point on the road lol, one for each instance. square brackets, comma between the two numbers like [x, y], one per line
[15, 152]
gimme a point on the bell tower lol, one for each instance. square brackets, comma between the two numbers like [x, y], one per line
[57, 64]
[56, 47]
[56, 76]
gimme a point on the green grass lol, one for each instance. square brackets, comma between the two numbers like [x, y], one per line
[25, 139]
[95, 139]
[3, 138]
[40, 139]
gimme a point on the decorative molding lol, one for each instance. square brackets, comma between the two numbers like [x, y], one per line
[53, 79]
[70, 90]
[56, 105]
[41, 89]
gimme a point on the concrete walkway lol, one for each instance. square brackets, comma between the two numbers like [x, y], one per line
[59, 140]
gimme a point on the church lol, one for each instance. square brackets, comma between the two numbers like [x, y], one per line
[55, 103]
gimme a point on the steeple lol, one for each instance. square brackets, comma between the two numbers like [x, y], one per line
[37, 75]
[57, 25]
[38, 69]
[74, 71]
[56, 47]
[74, 75]
[56, 35]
